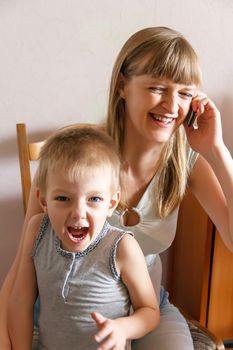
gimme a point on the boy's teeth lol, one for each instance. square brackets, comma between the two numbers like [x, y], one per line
[73, 229]
[78, 231]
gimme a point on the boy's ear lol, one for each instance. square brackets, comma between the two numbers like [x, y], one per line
[121, 85]
[42, 200]
[114, 202]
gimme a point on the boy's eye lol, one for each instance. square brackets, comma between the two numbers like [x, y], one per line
[62, 199]
[95, 199]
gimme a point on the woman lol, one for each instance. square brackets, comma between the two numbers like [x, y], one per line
[154, 84]
[155, 81]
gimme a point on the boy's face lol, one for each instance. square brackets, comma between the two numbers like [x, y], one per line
[78, 210]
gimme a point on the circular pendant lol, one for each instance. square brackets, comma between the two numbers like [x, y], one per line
[130, 217]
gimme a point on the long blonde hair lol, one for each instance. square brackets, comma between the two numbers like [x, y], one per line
[162, 53]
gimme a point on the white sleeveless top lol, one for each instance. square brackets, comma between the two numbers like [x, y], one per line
[153, 234]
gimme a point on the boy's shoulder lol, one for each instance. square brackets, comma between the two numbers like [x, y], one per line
[124, 238]
[119, 235]
[120, 231]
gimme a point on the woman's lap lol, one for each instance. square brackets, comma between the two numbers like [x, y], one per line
[171, 333]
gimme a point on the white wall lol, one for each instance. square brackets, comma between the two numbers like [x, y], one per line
[56, 58]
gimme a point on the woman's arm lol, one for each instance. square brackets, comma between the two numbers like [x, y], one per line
[133, 271]
[33, 208]
[214, 191]
[24, 292]
[33, 204]
[211, 180]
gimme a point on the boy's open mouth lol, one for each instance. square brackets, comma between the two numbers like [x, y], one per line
[77, 233]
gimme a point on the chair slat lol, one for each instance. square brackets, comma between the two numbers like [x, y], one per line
[24, 162]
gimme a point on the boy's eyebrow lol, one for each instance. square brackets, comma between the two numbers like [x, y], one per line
[94, 193]
[59, 190]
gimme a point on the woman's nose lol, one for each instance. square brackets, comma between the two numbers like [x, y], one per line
[171, 104]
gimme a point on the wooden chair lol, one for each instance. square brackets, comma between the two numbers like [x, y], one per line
[27, 153]
[202, 338]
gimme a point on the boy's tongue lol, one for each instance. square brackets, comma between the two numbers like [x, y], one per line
[78, 232]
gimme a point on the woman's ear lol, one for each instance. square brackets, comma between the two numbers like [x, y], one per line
[121, 85]
[42, 200]
[114, 202]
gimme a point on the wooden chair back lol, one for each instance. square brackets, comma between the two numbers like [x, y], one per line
[27, 152]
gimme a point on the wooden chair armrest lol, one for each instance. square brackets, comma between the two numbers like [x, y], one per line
[203, 339]
[202, 335]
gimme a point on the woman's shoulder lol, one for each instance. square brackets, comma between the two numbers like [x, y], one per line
[35, 222]
[31, 232]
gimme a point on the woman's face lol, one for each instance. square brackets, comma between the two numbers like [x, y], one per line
[154, 108]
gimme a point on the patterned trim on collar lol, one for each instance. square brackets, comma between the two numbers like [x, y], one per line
[43, 227]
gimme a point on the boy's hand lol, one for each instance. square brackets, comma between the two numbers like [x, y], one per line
[110, 335]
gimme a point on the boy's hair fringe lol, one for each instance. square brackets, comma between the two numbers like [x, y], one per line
[75, 150]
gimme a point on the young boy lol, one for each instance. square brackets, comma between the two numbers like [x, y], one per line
[87, 273]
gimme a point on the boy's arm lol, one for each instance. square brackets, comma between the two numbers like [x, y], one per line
[24, 292]
[133, 270]
[134, 273]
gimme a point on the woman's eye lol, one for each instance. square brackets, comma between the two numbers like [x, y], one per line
[157, 89]
[186, 94]
[95, 199]
[62, 199]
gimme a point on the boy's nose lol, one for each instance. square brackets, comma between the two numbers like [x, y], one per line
[78, 211]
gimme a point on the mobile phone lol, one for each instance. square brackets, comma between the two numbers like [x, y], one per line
[191, 117]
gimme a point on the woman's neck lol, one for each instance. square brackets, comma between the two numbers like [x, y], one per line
[141, 159]
[139, 165]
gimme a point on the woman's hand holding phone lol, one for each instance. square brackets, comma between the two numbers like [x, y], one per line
[203, 127]
[190, 118]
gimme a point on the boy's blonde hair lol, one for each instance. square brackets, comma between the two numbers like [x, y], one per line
[161, 53]
[77, 150]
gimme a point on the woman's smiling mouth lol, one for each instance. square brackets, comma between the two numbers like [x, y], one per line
[159, 118]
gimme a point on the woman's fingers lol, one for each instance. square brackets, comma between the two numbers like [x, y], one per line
[199, 102]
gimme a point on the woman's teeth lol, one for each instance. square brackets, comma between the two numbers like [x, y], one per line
[164, 120]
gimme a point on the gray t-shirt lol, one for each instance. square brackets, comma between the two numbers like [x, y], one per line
[72, 285]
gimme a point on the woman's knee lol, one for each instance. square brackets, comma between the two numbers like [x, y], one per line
[172, 331]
